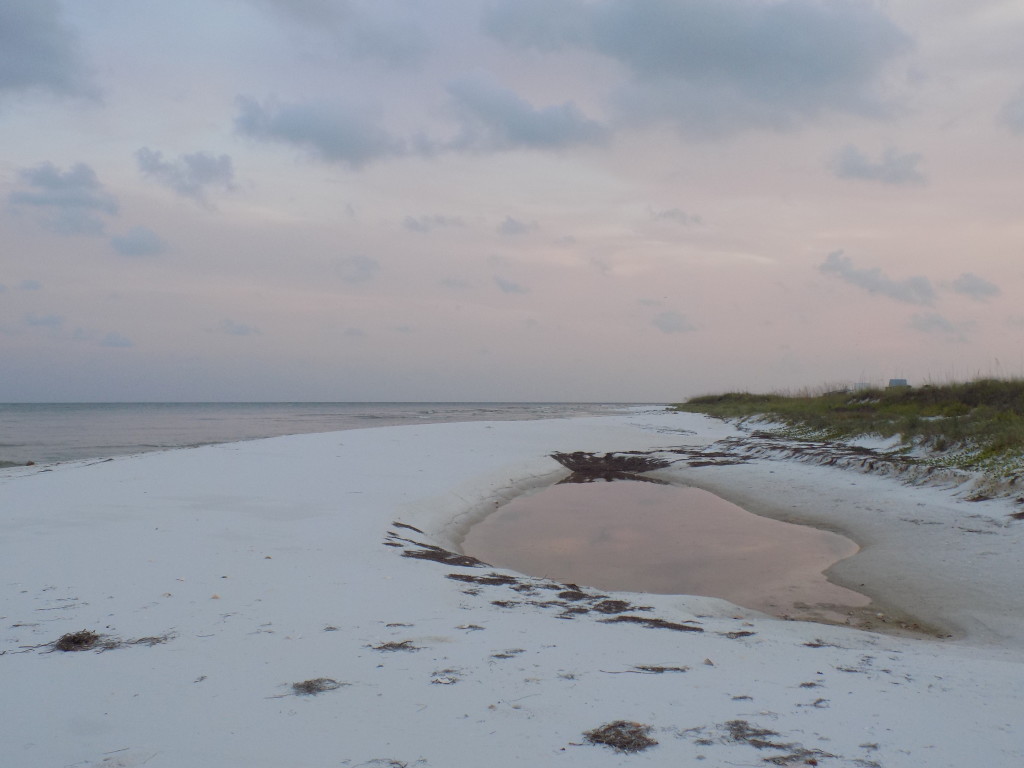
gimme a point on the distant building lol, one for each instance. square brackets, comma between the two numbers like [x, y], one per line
[898, 384]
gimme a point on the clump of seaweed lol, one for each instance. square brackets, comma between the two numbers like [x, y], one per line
[652, 623]
[491, 579]
[315, 686]
[403, 645]
[83, 640]
[589, 467]
[440, 555]
[743, 732]
[622, 736]
[613, 606]
[87, 640]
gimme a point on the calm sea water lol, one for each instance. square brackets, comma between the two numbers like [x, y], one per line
[46, 433]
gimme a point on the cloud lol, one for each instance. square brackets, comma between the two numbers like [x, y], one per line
[978, 288]
[232, 328]
[1012, 113]
[39, 51]
[934, 323]
[913, 290]
[495, 118]
[190, 175]
[672, 322]
[717, 66]
[30, 285]
[332, 132]
[44, 321]
[676, 215]
[398, 43]
[507, 286]
[892, 168]
[358, 269]
[315, 13]
[428, 223]
[116, 340]
[545, 25]
[138, 241]
[69, 201]
[512, 227]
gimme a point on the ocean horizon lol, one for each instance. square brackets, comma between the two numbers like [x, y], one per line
[44, 433]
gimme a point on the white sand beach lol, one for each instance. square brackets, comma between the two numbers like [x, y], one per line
[217, 578]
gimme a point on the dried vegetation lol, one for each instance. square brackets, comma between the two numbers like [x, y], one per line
[622, 736]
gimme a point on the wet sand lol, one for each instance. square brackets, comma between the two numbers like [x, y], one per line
[669, 539]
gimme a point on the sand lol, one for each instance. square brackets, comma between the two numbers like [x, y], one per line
[261, 604]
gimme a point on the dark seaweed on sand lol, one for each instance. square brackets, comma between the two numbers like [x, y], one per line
[622, 736]
[315, 686]
[590, 467]
[83, 640]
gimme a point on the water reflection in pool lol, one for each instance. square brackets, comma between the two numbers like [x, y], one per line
[643, 537]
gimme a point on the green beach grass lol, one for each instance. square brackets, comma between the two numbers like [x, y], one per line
[977, 425]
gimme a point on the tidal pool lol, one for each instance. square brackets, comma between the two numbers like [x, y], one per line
[645, 537]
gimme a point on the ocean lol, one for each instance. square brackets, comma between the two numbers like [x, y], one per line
[47, 432]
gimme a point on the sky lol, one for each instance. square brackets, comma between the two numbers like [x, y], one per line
[506, 200]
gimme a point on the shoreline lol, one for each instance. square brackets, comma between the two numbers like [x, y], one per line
[263, 565]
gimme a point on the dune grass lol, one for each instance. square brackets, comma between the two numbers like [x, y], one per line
[973, 425]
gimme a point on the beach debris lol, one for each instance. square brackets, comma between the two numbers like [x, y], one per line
[645, 669]
[440, 555]
[491, 579]
[743, 732]
[622, 736]
[569, 594]
[87, 640]
[403, 645]
[652, 623]
[83, 640]
[445, 677]
[509, 654]
[575, 594]
[736, 635]
[612, 606]
[406, 525]
[819, 643]
[315, 686]
[590, 467]
[148, 641]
